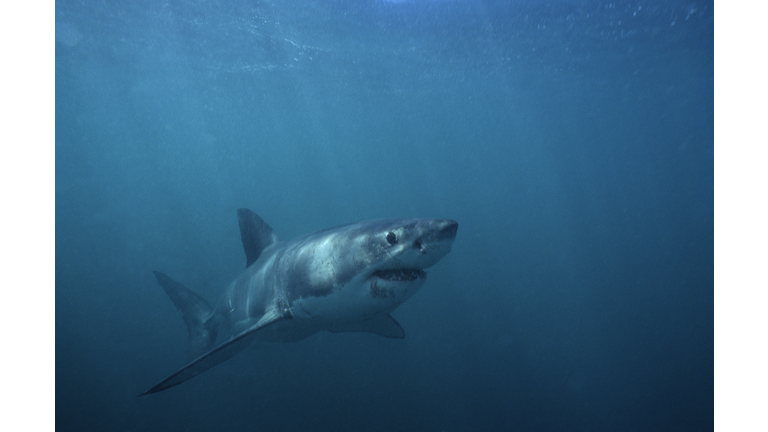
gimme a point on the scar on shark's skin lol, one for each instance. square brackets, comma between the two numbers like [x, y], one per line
[343, 279]
[377, 291]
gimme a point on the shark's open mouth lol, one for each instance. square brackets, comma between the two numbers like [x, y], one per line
[400, 275]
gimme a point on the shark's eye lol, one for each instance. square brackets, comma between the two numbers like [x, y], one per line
[391, 238]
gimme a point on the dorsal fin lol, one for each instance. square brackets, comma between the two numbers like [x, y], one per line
[255, 233]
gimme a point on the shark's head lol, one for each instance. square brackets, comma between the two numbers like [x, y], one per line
[368, 267]
[400, 250]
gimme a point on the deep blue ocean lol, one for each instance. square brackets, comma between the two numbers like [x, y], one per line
[572, 140]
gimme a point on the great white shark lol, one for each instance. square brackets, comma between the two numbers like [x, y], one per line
[343, 279]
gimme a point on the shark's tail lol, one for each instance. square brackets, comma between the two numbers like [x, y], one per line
[197, 314]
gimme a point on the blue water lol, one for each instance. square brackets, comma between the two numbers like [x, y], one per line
[571, 140]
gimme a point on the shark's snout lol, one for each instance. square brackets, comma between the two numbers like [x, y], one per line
[448, 229]
[434, 240]
[440, 231]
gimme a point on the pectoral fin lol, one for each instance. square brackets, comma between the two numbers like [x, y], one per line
[218, 354]
[382, 325]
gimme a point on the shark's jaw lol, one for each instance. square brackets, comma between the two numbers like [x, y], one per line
[400, 275]
[395, 285]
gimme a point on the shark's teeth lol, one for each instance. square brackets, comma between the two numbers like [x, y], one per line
[400, 274]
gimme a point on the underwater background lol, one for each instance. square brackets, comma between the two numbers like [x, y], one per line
[572, 140]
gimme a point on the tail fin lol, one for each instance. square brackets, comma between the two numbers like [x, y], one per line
[197, 314]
